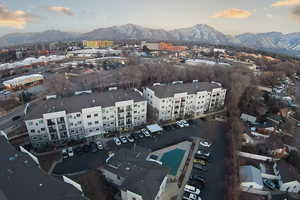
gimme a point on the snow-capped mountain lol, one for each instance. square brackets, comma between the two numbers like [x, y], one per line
[273, 41]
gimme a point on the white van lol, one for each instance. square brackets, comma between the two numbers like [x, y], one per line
[192, 189]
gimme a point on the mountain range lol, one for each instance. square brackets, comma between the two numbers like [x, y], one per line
[270, 41]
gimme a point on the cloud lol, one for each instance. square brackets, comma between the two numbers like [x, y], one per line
[282, 3]
[296, 12]
[232, 13]
[66, 11]
[14, 19]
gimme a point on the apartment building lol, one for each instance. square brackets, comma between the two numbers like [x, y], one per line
[97, 43]
[134, 176]
[58, 120]
[181, 100]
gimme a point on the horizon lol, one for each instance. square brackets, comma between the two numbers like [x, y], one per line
[83, 32]
[232, 17]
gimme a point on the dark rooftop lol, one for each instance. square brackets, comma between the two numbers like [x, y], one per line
[21, 178]
[287, 172]
[141, 176]
[77, 102]
[164, 91]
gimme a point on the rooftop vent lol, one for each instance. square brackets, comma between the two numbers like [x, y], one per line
[83, 92]
[155, 84]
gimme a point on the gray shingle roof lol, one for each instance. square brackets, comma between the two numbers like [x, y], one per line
[21, 178]
[141, 176]
[164, 91]
[76, 103]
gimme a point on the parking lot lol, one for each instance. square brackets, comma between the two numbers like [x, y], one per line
[214, 188]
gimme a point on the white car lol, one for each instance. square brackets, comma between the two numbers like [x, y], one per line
[99, 145]
[192, 189]
[185, 123]
[70, 152]
[130, 138]
[146, 133]
[180, 124]
[205, 144]
[123, 139]
[190, 196]
[64, 153]
[117, 141]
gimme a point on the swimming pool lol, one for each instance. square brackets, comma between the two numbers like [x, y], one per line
[172, 159]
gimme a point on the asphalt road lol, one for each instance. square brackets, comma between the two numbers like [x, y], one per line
[215, 177]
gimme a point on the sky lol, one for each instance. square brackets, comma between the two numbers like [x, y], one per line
[228, 16]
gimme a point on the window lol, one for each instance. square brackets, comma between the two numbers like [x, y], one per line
[96, 122]
[96, 115]
[32, 131]
[30, 123]
[90, 123]
[88, 116]
[79, 122]
[42, 129]
[41, 121]
[78, 115]
[97, 129]
[71, 124]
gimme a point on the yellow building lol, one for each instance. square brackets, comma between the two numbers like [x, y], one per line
[97, 43]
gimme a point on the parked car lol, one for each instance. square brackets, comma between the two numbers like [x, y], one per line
[192, 189]
[16, 118]
[202, 157]
[99, 145]
[141, 135]
[189, 196]
[198, 161]
[86, 148]
[146, 132]
[135, 135]
[64, 153]
[94, 147]
[130, 138]
[200, 167]
[197, 178]
[269, 184]
[117, 141]
[205, 144]
[203, 152]
[123, 139]
[185, 123]
[180, 124]
[70, 152]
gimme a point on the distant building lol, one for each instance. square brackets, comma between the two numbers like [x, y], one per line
[57, 120]
[23, 81]
[173, 101]
[170, 47]
[136, 177]
[21, 178]
[150, 46]
[97, 43]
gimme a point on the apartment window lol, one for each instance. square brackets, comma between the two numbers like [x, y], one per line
[78, 115]
[111, 123]
[32, 131]
[71, 124]
[41, 121]
[42, 129]
[79, 122]
[96, 122]
[97, 129]
[88, 116]
[104, 118]
[90, 130]
[30, 123]
[90, 123]
[133, 198]
[96, 115]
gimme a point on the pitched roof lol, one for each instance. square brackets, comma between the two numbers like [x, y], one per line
[141, 176]
[164, 91]
[21, 178]
[76, 103]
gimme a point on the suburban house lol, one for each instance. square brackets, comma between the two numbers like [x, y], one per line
[135, 177]
[57, 120]
[250, 177]
[22, 178]
[181, 100]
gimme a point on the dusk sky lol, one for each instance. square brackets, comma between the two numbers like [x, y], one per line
[228, 16]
